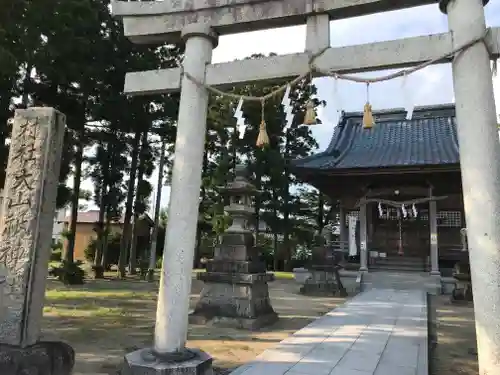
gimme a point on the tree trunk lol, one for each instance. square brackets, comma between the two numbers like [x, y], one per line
[26, 87]
[100, 234]
[138, 200]
[321, 213]
[286, 227]
[201, 209]
[104, 260]
[154, 235]
[286, 210]
[275, 233]
[276, 259]
[125, 240]
[70, 249]
[103, 204]
[258, 186]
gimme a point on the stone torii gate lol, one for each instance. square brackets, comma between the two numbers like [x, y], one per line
[199, 22]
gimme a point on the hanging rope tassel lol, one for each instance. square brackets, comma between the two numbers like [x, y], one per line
[368, 120]
[310, 116]
[262, 138]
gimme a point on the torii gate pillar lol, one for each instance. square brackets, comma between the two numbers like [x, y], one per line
[175, 284]
[480, 165]
[169, 354]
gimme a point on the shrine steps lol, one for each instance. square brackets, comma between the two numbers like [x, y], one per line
[408, 264]
[397, 280]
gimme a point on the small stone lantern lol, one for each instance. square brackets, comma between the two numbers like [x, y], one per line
[236, 290]
[240, 209]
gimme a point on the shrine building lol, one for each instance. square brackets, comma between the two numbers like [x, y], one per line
[398, 184]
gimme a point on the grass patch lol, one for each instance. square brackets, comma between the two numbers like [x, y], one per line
[104, 319]
[59, 294]
[283, 275]
[456, 350]
[54, 264]
[278, 274]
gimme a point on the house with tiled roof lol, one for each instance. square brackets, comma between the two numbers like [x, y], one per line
[86, 226]
[400, 180]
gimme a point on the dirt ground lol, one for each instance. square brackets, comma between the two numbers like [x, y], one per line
[104, 319]
[456, 351]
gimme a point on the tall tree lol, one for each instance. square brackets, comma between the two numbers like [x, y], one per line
[143, 190]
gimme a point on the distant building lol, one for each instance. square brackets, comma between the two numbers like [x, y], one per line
[86, 230]
[402, 177]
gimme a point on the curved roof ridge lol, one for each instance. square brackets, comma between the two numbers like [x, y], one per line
[338, 134]
[351, 130]
[425, 110]
[429, 138]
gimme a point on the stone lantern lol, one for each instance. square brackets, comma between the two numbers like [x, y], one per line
[236, 290]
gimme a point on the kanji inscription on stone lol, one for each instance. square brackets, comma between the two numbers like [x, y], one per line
[29, 205]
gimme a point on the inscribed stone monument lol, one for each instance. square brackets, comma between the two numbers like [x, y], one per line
[26, 235]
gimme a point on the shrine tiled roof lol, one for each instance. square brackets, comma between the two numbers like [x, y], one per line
[428, 139]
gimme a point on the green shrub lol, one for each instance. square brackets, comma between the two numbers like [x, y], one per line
[56, 251]
[98, 272]
[69, 273]
[56, 255]
[113, 249]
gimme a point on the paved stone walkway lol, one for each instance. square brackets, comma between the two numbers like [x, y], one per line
[401, 281]
[378, 332]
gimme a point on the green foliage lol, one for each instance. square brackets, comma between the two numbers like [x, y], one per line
[72, 55]
[159, 263]
[113, 248]
[287, 210]
[69, 273]
[55, 255]
[56, 251]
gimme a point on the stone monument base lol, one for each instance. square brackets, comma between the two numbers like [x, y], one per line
[42, 358]
[234, 300]
[324, 282]
[144, 362]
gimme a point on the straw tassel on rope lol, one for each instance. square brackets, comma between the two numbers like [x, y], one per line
[368, 120]
[310, 115]
[263, 138]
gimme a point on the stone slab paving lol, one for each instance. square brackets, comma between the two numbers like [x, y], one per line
[401, 281]
[378, 332]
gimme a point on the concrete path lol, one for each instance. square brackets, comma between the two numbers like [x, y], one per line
[378, 332]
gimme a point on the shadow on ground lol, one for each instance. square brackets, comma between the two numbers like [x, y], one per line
[456, 350]
[104, 319]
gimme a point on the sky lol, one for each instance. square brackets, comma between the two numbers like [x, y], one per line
[432, 85]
